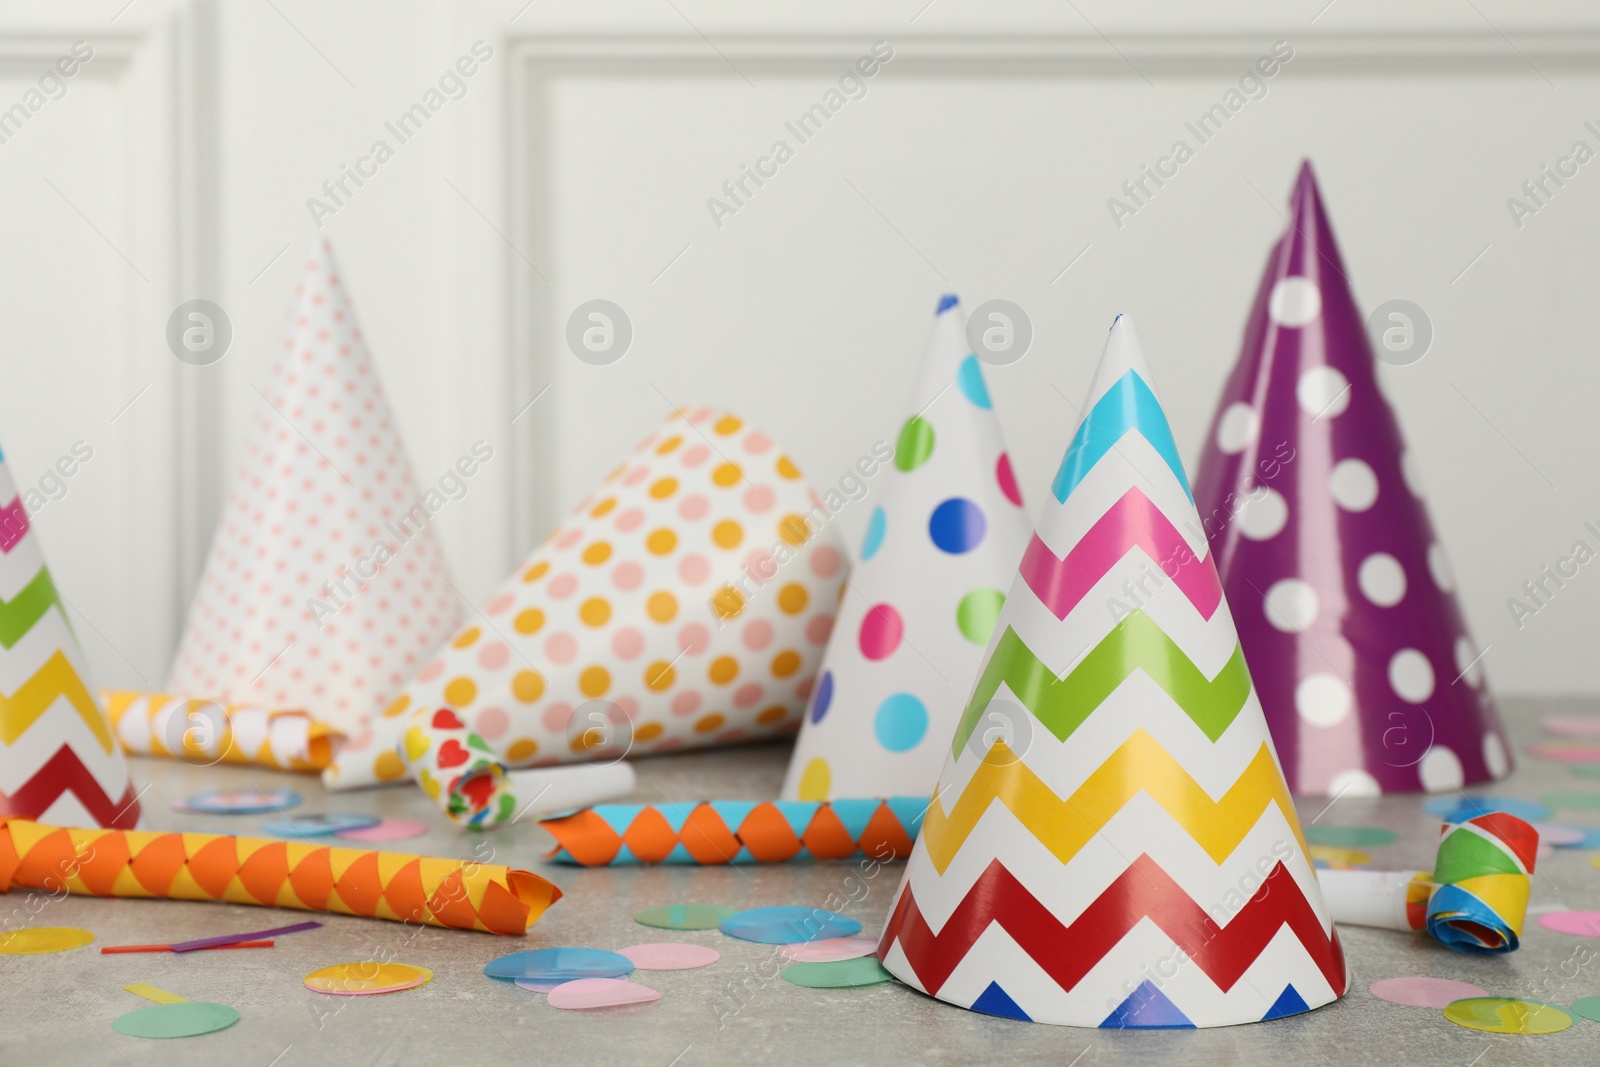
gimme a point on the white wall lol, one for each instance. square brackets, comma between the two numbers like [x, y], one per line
[578, 163]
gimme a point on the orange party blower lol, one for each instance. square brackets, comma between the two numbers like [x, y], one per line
[460, 894]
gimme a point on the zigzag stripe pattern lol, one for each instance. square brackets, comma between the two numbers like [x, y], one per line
[18, 614]
[1137, 644]
[1133, 522]
[54, 681]
[13, 524]
[1127, 406]
[1140, 765]
[65, 773]
[1143, 891]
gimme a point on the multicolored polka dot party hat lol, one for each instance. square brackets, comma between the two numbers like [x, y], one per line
[685, 603]
[1112, 843]
[325, 588]
[59, 761]
[939, 551]
[1345, 597]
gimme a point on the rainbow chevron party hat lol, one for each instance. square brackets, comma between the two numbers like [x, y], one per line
[1112, 843]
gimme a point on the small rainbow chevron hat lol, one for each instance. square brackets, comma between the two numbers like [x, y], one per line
[1147, 869]
[1324, 545]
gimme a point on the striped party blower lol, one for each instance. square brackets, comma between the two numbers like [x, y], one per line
[1112, 843]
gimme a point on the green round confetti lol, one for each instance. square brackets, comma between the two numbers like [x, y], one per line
[978, 612]
[1585, 770]
[684, 916]
[915, 444]
[1350, 836]
[1572, 801]
[1508, 1015]
[840, 974]
[1588, 1007]
[189, 1018]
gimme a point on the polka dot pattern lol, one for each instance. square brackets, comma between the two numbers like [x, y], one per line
[703, 621]
[324, 509]
[1295, 302]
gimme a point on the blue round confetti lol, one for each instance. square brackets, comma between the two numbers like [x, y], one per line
[239, 801]
[973, 387]
[559, 965]
[824, 697]
[874, 539]
[788, 924]
[901, 722]
[1460, 809]
[321, 825]
[957, 525]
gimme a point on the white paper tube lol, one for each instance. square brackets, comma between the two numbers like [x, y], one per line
[557, 789]
[1367, 898]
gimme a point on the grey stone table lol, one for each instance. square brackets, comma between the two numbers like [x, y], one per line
[59, 1008]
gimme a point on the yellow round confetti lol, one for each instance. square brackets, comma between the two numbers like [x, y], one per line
[727, 534]
[727, 474]
[726, 425]
[398, 707]
[467, 636]
[537, 571]
[388, 766]
[723, 670]
[594, 681]
[785, 663]
[728, 602]
[597, 553]
[648, 732]
[787, 469]
[661, 541]
[603, 508]
[528, 622]
[460, 692]
[527, 686]
[43, 939]
[1507, 1015]
[792, 598]
[814, 783]
[595, 611]
[709, 723]
[794, 530]
[664, 488]
[668, 445]
[522, 748]
[659, 675]
[663, 606]
[365, 979]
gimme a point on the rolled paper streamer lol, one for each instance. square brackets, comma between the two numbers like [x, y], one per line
[459, 894]
[1474, 900]
[547, 790]
[209, 731]
[738, 831]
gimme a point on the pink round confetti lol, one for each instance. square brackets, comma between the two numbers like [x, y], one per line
[1572, 725]
[830, 950]
[1566, 752]
[670, 956]
[1580, 923]
[387, 830]
[1553, 833]
[587, 993]
[1422, 992]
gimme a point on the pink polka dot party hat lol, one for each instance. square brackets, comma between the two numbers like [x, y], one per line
[939, 551]
[1344, 596]
[685, 603]
[1112, 843]
[325, 588]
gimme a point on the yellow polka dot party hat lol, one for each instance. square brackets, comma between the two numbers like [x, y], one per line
[685, 603]
[939, 552]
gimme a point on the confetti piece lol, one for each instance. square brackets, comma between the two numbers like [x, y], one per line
[684, 916]
[43, 939]
[538, 985]
[185, 1019]
[1566, 752]
[1460, 809]
[832, 950]
[1424, 992]
[1585, 770]
[786, 924]
[318, 825]
[366, 979]
[234, 939]
[112, 950]
[840, 974]
[1337, 858]
[670, 956]
[1580, 923]
[154, 994]
[1572, 725]
[564, 964]
[1554, 833]
[386, 830]
[1573, 801]
[238, 802]
[1505, 1015]
[586, 993]
[1588, 1007]
[1350, 836]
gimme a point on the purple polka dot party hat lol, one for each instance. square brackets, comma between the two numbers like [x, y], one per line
[940, 548]
[1344, 598]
